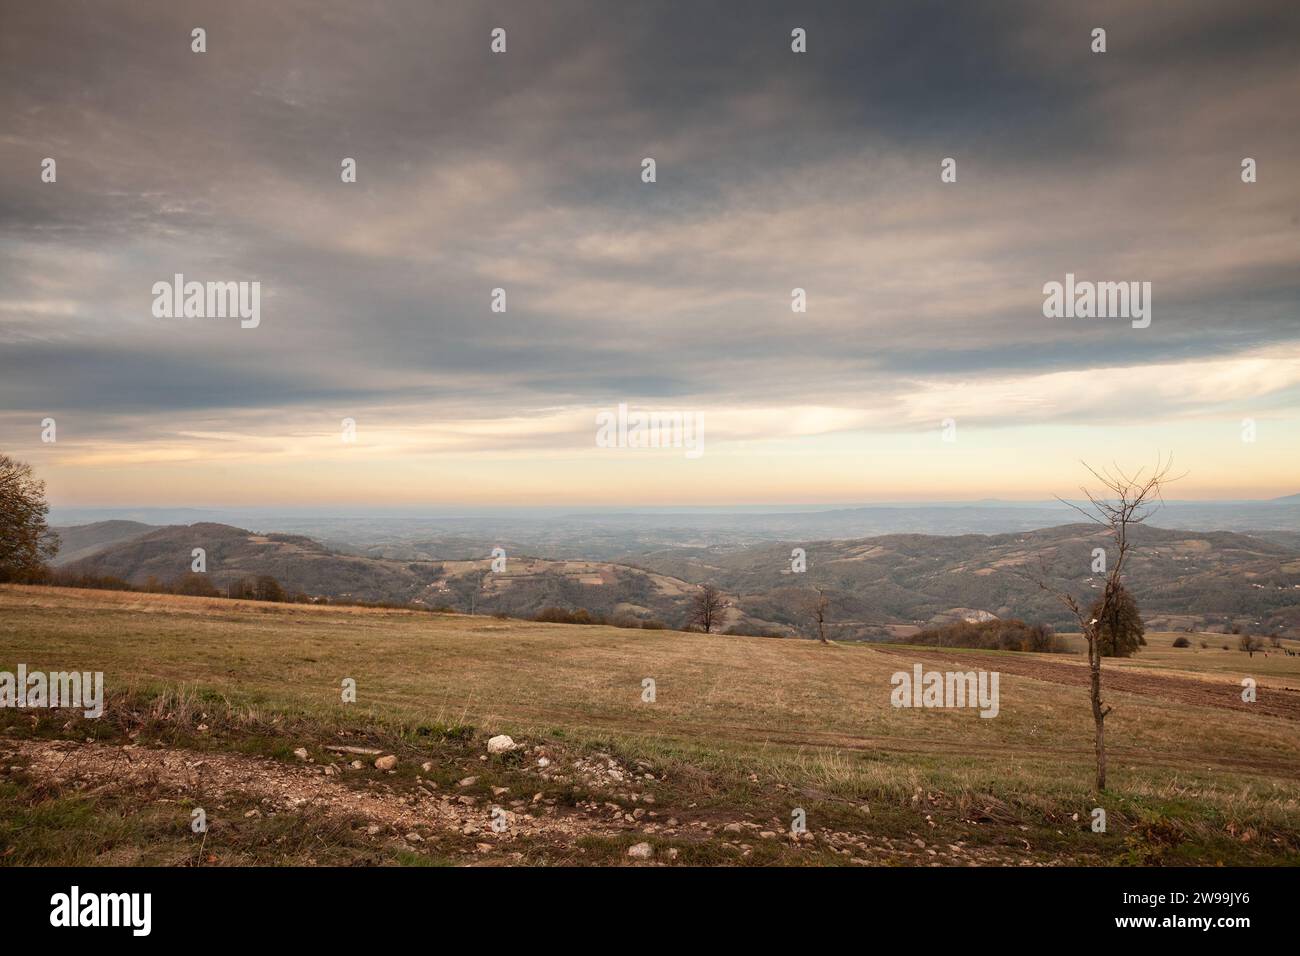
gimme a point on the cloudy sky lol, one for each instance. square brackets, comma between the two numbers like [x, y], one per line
[522, 171]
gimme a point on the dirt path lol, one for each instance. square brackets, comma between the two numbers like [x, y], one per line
[462, 824]
[285, 787]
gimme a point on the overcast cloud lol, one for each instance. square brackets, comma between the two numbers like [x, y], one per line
[522, 171]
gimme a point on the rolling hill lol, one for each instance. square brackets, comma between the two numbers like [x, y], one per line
[878, 587]
[1212, 580]
[302, 565]
[81, 541]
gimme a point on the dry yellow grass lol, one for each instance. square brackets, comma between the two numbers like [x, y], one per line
[1214, 661]
[797, 708]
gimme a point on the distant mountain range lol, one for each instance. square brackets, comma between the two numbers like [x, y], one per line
[623, 535]
[1206, 580]
[876, 586]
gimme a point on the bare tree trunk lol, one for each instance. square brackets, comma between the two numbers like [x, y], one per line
[1098, 713]
[822, 604]
[1126, 500]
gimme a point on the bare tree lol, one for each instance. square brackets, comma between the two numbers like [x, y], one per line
[469, 585]
[707, 608]
[819, 613]
[1122, 501]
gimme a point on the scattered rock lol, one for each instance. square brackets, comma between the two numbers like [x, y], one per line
[467, 782]
[385, 763]
[641, 851]
[500, 744]
[414, 837]
[301, 753]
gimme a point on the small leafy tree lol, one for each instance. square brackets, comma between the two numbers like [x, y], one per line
[26, 541]
[268, 588]
[1119, 626]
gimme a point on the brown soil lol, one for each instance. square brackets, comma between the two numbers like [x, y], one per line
[208, 778]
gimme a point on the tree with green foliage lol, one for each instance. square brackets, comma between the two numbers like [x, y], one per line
[26, 541]
[267, 588]
[1119, 624]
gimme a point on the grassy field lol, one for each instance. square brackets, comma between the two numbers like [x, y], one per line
[742, 733]
[1219, 659]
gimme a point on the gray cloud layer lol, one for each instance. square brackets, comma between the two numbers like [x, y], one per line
[522, 171]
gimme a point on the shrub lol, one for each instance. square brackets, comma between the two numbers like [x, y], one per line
[559, 615]
[268, 588]
[1009, 635]
[1182, 642]
[196, 585]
